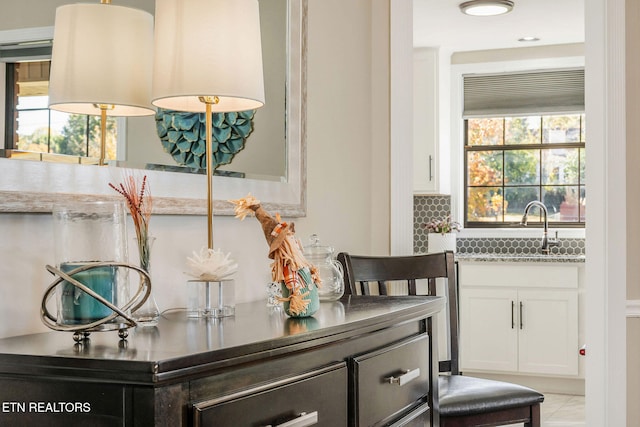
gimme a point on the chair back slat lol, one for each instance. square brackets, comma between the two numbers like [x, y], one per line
[382, 287]
[413, 290]
[360, 270]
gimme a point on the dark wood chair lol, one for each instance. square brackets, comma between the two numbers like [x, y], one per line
[463, 400]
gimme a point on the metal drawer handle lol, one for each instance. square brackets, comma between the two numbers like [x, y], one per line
[303, 420]
[405, 378]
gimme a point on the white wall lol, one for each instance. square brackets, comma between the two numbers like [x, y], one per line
[632, 30]
[341, 194]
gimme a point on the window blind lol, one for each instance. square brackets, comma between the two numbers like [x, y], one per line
[531, 92]
[25, 52]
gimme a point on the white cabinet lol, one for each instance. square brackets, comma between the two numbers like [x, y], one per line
[548, 332]
[519, 319]
[425, 120]
[488, 336]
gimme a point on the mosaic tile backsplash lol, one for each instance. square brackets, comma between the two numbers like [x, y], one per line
[427, 208]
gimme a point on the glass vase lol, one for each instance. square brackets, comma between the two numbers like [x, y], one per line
[148, 314]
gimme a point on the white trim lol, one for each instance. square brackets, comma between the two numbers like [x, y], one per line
[605, 270]
[401, 146]
[26, 35]
[633, 308]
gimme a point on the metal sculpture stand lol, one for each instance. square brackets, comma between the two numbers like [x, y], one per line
[118, 319]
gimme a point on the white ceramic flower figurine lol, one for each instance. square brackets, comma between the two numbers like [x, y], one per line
[211, 265]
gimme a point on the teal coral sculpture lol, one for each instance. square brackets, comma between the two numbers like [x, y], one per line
[183, 136]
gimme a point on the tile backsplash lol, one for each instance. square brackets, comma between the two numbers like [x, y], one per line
[427, 208]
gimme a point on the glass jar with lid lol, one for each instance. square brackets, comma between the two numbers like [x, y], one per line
[329, 269]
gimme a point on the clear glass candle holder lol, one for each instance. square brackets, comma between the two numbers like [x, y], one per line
[211, 298]
[86, 233]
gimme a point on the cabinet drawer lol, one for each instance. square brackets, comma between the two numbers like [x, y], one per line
[316, 398]
[390, 380]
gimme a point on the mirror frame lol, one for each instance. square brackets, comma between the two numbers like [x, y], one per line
[29, 186]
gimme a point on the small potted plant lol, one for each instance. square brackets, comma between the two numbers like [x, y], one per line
[442, 235]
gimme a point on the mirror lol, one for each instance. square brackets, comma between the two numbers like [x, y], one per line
[28, 186]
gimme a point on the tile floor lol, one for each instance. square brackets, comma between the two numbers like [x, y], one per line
[561, 410]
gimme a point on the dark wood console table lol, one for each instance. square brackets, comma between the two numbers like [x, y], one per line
[359, 361]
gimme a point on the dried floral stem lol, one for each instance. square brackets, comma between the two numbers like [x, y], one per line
[140, 205]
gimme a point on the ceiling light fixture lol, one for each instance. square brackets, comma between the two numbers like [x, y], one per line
[486, 7]
[529, 39]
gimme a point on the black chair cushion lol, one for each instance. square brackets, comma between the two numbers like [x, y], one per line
[461, 395]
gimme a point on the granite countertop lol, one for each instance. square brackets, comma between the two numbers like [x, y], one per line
[538, 257]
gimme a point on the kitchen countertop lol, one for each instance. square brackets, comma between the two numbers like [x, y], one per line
[493, 257]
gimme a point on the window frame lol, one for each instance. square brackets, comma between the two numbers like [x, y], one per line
[503, 148]
[10, 109]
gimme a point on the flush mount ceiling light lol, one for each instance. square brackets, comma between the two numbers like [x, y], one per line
[486, 7]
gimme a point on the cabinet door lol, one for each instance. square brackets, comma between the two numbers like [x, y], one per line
[549, 332]
[425, 120]
[488, 329]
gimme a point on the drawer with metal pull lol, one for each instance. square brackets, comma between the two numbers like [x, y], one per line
[316, 398]
[390, 381]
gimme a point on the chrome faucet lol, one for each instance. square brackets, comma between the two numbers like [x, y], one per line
[547, 243]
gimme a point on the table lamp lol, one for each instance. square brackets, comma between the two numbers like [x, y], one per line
[207, 58]
[101, 62]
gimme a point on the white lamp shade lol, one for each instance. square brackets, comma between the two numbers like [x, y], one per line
[207, 48]
[102, 54]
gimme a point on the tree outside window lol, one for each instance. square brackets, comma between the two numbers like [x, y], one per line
[37, 129]
[511, 161]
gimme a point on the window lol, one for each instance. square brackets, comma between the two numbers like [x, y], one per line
[32, 128]
[524, 140]
[512, 160]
